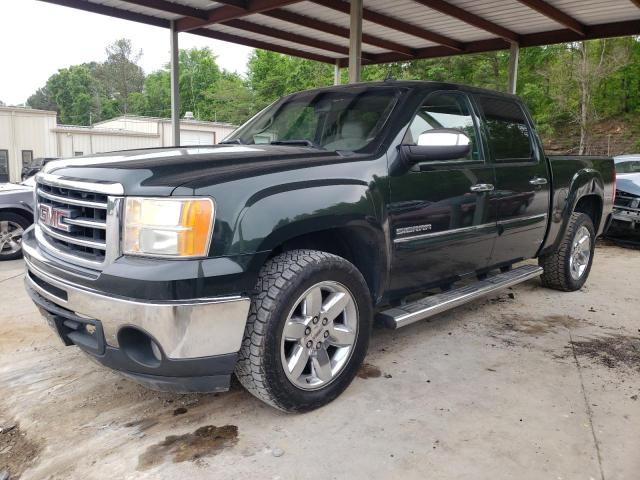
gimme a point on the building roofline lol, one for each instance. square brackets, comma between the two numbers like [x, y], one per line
[27, 110]
[166, 120]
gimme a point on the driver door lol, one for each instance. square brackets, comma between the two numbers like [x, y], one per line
[442, 212]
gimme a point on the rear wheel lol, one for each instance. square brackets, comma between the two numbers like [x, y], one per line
[307, 332]
[12, 227]
[568, 268]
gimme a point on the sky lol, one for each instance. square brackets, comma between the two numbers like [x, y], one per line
[37, 39]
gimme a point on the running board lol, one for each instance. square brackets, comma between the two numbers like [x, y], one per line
[432, 305]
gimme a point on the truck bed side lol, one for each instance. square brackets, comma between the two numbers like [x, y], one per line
[582, 182]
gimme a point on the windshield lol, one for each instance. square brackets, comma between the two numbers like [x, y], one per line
[332, 120]
[628, 166]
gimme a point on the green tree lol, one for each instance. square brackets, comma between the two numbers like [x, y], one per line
[74, 91]
[120, 76]
[272, 75]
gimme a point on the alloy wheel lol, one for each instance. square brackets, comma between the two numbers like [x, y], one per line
[319, 335]
[10, 237]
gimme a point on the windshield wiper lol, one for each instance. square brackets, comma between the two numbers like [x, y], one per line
[231, 142]
[301, 141]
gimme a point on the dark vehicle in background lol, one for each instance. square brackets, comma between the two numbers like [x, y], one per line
[35, 166]
[626, 208]
[271, 255]
[16, 214]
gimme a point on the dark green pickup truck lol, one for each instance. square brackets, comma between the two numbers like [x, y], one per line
[272, 254]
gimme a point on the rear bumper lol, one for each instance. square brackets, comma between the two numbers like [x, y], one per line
[185, 345]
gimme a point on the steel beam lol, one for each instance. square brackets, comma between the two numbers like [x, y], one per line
[325, 27]
[227, 37]
[170, 7]
[395, 24]
[230, 12]
[287, 36]
[514, 56]
[111, 12]
[555, 14]
[355, 41]
[605, 30]
[175, 85]
[470, 18]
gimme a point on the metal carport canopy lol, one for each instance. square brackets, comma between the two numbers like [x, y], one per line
[348, 33]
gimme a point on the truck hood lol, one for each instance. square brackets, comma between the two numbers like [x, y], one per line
[6, 188]
[160, 171]
[629, 183]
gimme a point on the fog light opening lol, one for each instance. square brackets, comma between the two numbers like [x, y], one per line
[139, 347]
[155, 349]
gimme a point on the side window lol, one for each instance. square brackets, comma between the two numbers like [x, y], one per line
[444, 110]
[27, 158]
[4, 166]
[509, 134]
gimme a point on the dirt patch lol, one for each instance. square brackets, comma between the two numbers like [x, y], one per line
[541, 326]
[143, 424]
[17, 452]
[204, 442]
[369, 371]
[612, 351]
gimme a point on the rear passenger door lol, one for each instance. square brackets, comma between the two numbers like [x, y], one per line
[522, 179]
[443, 220]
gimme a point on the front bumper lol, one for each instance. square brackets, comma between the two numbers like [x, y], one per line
[625, 219]
[186, 345]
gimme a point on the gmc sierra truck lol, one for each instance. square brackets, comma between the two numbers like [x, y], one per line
[271, 255]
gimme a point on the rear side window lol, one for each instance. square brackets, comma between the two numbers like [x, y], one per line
[509, 134]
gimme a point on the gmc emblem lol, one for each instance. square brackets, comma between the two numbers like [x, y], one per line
[52, 217]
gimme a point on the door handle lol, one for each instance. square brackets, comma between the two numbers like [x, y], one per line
[538, 181]
[482, 187]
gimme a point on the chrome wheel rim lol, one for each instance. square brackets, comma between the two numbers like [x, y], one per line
[10, 237]
[319, 335]
[580, 253]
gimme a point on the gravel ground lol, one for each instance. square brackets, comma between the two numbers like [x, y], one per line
[528, 384]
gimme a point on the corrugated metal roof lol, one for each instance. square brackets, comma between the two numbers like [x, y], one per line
[392, 30]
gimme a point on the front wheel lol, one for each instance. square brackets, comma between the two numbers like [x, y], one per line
[567, 269]
[12, 227]
[307, 332]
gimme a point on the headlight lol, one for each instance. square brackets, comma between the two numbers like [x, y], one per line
[172, 227]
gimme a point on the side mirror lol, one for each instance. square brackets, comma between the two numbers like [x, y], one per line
[437, 144]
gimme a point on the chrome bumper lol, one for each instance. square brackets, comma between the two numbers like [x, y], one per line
[184, 330]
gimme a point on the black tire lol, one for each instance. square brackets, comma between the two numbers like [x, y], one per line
[557, 270]
[281, 281]
[15, 219]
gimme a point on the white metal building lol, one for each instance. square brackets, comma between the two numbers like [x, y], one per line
[26, 134]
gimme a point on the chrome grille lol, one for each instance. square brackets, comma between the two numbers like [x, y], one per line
[75, 219]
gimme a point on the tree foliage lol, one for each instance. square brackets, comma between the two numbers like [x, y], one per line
[120, 75]
[568, 87]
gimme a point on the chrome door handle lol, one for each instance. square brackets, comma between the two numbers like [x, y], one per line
[482, 187]
[538, 181]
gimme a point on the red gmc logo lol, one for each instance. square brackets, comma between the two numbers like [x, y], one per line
[52, 217]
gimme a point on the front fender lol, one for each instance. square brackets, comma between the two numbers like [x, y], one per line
[275, 215]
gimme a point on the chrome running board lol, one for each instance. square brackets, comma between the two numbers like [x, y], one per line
[432, 305]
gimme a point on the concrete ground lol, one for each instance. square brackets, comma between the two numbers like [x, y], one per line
[493, 390]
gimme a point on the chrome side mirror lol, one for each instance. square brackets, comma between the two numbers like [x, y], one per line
[437, 145]
[443, 137]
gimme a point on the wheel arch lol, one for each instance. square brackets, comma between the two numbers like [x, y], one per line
[360, 245]
[16, 210]
[585, 194]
